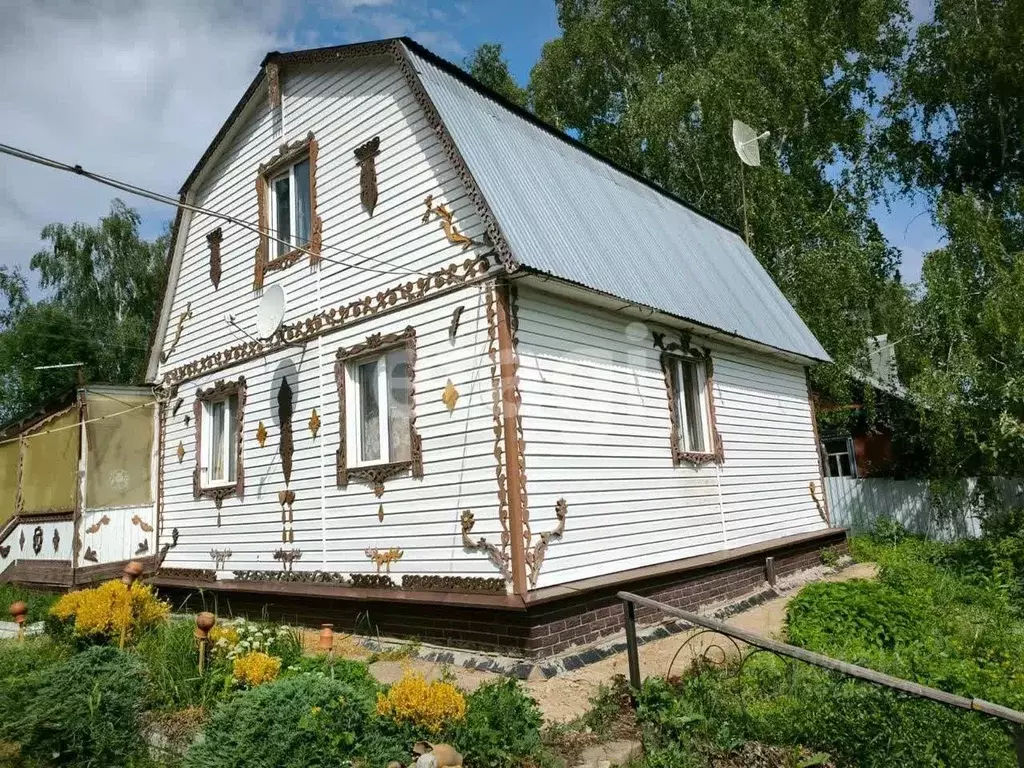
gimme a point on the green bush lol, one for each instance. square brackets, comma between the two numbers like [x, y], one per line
[171, 655]
[20, 665]
[501, 728]
[83, 711]
[305, 721]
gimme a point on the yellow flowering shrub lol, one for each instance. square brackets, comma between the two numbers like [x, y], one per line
[256, 668]
[112, 610]
[430, 705]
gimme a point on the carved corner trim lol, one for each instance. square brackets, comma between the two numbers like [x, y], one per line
[496, 555]
[183, 318]
[535, 559]
[218, 493]
[366, 159]
[501, 556]
[377, 474]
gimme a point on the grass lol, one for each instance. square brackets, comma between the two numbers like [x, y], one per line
[38, 602]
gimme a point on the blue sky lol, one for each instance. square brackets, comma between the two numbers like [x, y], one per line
[135, 89]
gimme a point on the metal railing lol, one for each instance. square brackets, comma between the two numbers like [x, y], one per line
[1012, 717]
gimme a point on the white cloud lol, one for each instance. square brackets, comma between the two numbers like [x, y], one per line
[130, 90]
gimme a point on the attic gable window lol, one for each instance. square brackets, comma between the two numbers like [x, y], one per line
[287, 209]
[689, 375]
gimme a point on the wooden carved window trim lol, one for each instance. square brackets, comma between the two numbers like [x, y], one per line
[376, 475]
[287, 156]
[219, 391]
[671, 352]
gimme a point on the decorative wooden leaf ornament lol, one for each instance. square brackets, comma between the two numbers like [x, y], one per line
[314, 422]
[380, 513]
[368, 173]
[261, 434]
[181, 451]
[450, 396]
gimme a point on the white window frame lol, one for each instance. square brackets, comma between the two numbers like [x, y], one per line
[353, 403]
[703, 407]
[228, 445]
[849, 452]
[293, 236]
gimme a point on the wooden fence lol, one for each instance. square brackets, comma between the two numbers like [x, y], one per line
[857, 504]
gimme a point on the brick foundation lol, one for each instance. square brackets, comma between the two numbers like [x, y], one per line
[546, 627]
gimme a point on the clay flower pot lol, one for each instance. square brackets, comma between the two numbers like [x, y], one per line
[18, 611]
[131, 572]
[205, 621]
[326, 642]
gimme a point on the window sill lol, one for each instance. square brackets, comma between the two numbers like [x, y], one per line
[697, 458]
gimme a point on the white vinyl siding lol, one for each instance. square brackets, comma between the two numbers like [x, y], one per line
[597, 429]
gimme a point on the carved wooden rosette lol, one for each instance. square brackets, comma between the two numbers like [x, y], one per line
[684, 349]
[213, 240]
[445, 280]
[287, 155]
[377, 474]
[366, 158]
[219, 390]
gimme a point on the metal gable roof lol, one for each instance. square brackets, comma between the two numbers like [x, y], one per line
[570, 214]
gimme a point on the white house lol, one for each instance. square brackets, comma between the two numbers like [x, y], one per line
[511, 375]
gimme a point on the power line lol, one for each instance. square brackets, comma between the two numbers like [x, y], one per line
[123, 186]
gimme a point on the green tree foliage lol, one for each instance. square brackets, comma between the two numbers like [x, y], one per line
[487, 65]
[655, 85]
[954, 122]
[102, 285]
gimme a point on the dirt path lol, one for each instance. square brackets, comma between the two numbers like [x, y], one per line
[567, 696]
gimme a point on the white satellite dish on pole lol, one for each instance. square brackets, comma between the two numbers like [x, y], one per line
[271, 312]
[747, 143]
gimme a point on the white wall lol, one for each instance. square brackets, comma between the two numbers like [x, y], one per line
[596, 425]
[28, 527]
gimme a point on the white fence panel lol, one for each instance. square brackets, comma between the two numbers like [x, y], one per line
[856, 504]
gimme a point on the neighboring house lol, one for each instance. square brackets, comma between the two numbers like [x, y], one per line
[511, 377]
[77, 487]
[866, 448]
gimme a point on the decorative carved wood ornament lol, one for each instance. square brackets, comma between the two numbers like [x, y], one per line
[287, 557]
[286, 499]
[181, 451]
[5, 551]
[220, 557]
[817, 502]
[287, 155]
[273, 85]
[136, 520]
[446, 217]
[445, 280]
[535, 559]
[454, 584]
[261, 434]
[365, 157]
[213, 240]
[286, 446]
[453, 327]
[56, 540]
[21, 542]
[450, 396]
[380, 513]
[314, 423]
[218, 391]
[143, 548]
[385, 557]
[682, 348]
[497, 555]
[98, 524]
[377, 474]
[183, 318]
[90, 555]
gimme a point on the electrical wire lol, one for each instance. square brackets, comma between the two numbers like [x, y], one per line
[124, 186]
[77, 424]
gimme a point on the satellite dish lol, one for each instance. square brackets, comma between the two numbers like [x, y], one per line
[746, 140]
[271, 312]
